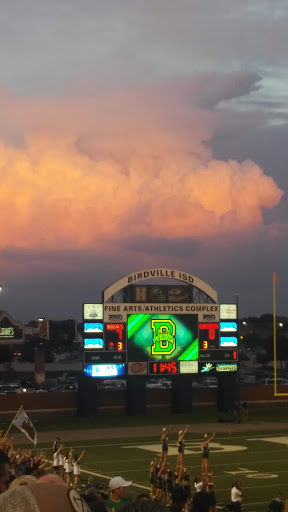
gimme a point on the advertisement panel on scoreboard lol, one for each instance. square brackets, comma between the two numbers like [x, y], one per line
[162, 337]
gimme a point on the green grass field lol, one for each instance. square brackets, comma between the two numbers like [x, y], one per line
[261, 465]
[257, 458]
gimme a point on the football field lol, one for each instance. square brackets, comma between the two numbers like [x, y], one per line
[257, 459]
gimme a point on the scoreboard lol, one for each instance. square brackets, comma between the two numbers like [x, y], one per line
[158, 339]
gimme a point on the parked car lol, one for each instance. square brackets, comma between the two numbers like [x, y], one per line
[8, 389]
[158, 384]
[109, 385]
[210, 382]
[196, 384]
[269, 381]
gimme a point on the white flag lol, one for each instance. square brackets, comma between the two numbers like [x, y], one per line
[23, 422]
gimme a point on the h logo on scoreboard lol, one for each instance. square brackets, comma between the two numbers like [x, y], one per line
[164, 340]
[140, 294]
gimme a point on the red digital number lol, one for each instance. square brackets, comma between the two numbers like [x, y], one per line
[164, 367]
[173, 367]
[117, 328]
[211, 334]
[234, 354]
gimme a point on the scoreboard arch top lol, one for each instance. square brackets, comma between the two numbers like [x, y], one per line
[159, 273]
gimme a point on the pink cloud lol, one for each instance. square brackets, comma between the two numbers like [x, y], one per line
[92, 168]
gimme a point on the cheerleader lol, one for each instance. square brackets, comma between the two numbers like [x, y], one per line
[161, 472]
[77, 469]
[205, 453]
[169, 486]
[180, 444]
[68, 467]
[56, 461]
[164, 441]
[153, 477]
[186, 485]
[199, 483]
[61, 463]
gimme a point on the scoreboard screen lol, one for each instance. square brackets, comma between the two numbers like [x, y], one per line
[186, 341]
[162, 337]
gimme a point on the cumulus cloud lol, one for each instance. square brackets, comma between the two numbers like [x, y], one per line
[78, 171]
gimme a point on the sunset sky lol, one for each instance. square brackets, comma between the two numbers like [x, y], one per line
[137, 134]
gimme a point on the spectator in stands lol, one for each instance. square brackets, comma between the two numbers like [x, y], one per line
[144, 506]
[42, 498]
[23, 480]
[201, 501]
[143, 498]
[178, 499]
[4, 471]
[277, 505]
[94, 503]
[117, 486]
[90, 483]
[211, 497]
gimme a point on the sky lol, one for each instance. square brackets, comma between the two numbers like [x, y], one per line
[140, 134]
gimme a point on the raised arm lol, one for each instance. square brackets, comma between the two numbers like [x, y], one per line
[211, 438]
[184, 432]
[79, 458]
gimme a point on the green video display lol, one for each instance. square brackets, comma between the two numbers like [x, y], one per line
[162, 337]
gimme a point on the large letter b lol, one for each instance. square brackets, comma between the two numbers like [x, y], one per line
[164, 341]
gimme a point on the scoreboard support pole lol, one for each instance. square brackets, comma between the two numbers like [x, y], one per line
[181, 396]
[227, 393]
[136, 395]
[87, 396]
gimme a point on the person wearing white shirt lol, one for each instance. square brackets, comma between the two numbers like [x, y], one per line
[61, 463]
[56, 461]
[68, 467]
[77, 469]
[236, 496]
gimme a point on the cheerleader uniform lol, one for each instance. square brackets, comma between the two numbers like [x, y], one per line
[181, 446]
[76, 469]
[165, 444]
[56, 462]
[159, 482]
[61, 460]
[169, 484]
[205, 453]
[67, 466]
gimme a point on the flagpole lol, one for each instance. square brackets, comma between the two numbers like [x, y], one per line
[274, 333]
[16, 416]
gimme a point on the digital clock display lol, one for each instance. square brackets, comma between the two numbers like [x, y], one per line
[161, 368]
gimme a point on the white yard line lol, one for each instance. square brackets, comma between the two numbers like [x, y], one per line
[109, 478]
